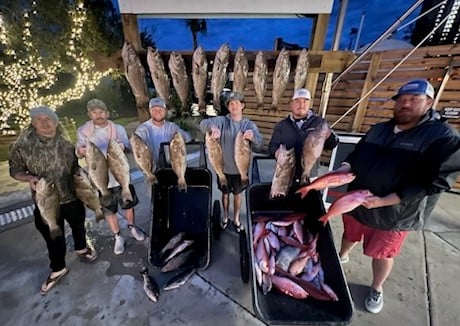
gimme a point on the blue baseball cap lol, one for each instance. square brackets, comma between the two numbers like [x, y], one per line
[156, 101]
[417, 87]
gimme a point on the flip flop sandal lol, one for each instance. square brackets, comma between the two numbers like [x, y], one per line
[224, 224]
[52, 281]
[238, 227]
[88, 255]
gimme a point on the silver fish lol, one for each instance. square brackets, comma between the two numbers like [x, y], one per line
[286, 256]
[301, 70]
[119, 166]
[178, 261]
[280, 76]
[180, 279]
[259, 78]
[178, 249]
[134, 72]
[284, 172]
[178, 156]
[98, 170]
[87, 193]
[216, 157]
[158, 73]
[200, 76]
[151, 288]
[173, 242]
[312, 148]
[242, 156]
[179, 76]
[219, 74]
[143, 158]
[240, 71]
[47, 201]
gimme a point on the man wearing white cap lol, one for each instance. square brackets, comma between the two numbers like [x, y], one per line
[100, 130]
[402, 162]
[292, 131]
[43, 150]
[158, 130]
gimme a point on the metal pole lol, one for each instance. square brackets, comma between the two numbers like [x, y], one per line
[339, 27]
[326, 89]
[383, 36]
[361, 23]
[391, 71]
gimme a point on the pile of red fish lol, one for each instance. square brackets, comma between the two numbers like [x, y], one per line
[285, 258]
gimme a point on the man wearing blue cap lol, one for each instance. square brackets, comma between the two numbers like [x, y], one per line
[293, 130]
[158, 130]
[402, 162]
[43, 150]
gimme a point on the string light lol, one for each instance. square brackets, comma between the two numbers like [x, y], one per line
[27, 75]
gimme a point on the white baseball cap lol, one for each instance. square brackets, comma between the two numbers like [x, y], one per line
[302, 93]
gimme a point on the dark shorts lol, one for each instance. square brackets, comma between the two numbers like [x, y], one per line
[377, 244]
[234, 184]
[111, 204]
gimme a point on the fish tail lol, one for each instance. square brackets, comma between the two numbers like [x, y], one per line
[201, 105]
[152, 179]
[182, 185]
[127, 197]
[100, 216]
[303, 191]
[324, 219]
[55, 232]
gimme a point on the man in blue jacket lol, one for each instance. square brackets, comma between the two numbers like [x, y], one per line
[403, 162]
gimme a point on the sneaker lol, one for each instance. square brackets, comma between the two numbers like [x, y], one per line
[119, 246]
[344, 259]
[136, 233]
[374, 301]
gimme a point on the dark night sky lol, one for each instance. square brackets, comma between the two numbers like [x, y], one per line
[260, 34]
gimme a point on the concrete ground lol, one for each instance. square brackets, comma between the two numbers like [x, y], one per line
[422, 290]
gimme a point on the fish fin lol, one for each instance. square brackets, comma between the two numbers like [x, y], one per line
[55, 232]
[182, 185]
[324, 219]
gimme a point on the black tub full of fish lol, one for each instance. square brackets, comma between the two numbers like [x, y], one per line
[296, 273]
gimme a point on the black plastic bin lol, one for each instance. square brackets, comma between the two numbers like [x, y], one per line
[175, 211]
[276, 308]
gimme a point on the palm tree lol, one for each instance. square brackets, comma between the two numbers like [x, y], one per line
[196, 26]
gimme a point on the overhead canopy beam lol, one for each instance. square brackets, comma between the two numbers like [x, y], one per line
[223, 8]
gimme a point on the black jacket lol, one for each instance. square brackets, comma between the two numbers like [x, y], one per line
[286, 132]
[413, 163]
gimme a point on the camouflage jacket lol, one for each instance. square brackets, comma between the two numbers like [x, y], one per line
[51, 158]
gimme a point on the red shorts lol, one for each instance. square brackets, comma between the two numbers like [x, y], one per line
[377, 244]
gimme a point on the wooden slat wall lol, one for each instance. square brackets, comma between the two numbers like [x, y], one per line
[431, 63]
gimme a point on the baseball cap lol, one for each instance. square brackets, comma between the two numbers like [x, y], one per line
[235, 96]
[96, 103]
[43, 110]
[302, 93]
[417, 87]
[156, 101]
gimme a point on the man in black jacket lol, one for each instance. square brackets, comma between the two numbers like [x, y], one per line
[402, 162]
[292, 131]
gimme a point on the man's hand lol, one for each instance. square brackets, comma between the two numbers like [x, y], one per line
[81, 151]
[376, 201]
[215, 132]
[248, 134]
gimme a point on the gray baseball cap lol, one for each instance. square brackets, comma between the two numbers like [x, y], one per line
[157, 101]
[95, 103]
[43, 110]
[235, 96]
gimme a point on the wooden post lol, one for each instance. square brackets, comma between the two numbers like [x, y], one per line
[319, 32]
[368, 84]
[131, 30]
[445, 79]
